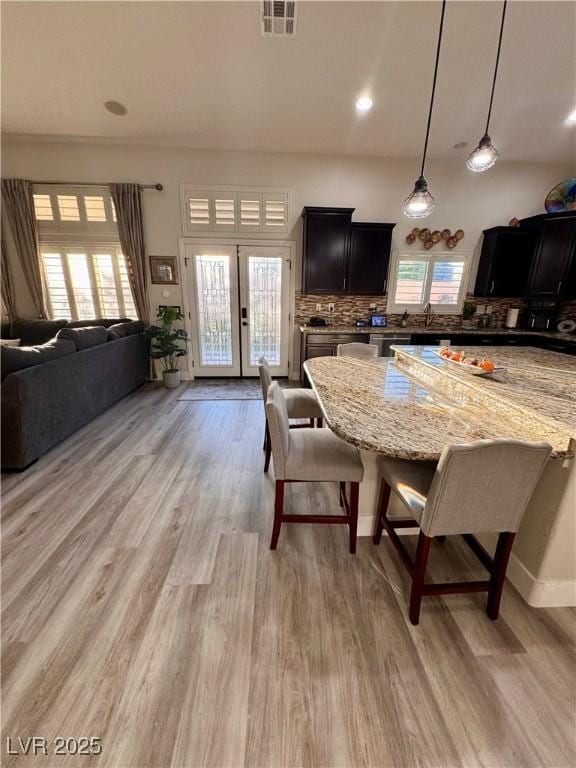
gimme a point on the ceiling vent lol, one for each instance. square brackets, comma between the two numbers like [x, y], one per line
[278, 18]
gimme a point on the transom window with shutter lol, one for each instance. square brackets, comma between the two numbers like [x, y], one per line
[216, 209]
[84, 271]
[422, 278]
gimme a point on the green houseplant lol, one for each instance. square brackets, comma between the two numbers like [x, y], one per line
[167, 344]
[468, 312]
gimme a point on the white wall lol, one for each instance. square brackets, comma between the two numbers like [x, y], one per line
[375, 186]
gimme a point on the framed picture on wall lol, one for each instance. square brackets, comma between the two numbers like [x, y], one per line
[163, 270]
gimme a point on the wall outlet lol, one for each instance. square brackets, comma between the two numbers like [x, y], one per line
[318, 307]
[372, 306]
[331, 307]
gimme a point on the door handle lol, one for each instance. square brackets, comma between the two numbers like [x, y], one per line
[244, 322]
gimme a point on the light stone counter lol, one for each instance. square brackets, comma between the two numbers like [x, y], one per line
[413, 407]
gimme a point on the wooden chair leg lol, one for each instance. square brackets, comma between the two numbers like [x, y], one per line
[319, 422]
[354, 489]
[501, 557]
[381, 513]
[267, 448]
[278, 510]
[422, 552]
[312, 424]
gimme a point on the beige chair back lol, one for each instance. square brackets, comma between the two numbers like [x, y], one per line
[279, 426]
[265, 377]
[483, 486]
[358, 350]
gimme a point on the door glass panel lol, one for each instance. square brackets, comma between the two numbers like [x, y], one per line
[265, 303]
[81, 286]
[214, 317]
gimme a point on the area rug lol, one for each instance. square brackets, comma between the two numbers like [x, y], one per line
[227, 389]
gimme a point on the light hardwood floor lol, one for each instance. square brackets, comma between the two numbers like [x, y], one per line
[141, 605]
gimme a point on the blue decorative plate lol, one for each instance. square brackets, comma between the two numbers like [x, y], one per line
[562, 197]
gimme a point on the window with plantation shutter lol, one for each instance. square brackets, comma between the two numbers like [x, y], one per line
[422, 278]
[250, 212]
[82, 285]
[225, 213]
[85, 274]
[235, 210]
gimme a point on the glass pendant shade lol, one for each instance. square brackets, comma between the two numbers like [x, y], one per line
[420, 203]
[483, 157]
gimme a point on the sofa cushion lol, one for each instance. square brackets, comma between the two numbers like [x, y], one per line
[104, 321]
[34, 332]
[119, 330]
[17, 358]
[84, 338]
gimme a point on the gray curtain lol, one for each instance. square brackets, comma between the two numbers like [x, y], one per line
[6, 283]
[19, 205]
[128, 204]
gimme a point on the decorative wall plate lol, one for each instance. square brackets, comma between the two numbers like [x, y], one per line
[562, 197]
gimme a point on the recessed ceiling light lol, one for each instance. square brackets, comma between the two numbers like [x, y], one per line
[115, 108]
[364, 103]
[461, 145]
[572, 117]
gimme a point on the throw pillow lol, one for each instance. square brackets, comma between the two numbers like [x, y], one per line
[84, 338]
[17, 358]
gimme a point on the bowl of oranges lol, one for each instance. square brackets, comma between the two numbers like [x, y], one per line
[477, 366]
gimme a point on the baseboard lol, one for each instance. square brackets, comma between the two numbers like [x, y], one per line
[536, 592]
[540, 593]
[366, 527]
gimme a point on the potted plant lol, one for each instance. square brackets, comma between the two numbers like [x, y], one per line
[167, 344]
[468, 312]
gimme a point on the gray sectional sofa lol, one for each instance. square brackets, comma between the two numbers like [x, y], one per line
[62, 376]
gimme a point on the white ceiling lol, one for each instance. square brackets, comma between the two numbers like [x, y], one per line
[200, 74]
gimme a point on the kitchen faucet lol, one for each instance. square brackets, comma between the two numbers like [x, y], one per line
[428, 313]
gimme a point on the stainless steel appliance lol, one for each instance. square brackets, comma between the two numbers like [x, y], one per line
[540, 315]
[385, 342]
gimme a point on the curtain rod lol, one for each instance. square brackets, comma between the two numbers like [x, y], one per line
[158, 187]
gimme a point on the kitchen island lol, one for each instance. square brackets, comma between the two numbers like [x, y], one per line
[411, 406]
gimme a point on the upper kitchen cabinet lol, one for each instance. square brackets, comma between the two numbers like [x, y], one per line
[369, 258]
[326, 244]
[553, 273]
[505, 262]
[341, 257]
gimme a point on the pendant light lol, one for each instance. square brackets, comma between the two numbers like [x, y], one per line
[485, 154]
[421, 203]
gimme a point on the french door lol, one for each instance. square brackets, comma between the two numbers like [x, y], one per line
[239, 299]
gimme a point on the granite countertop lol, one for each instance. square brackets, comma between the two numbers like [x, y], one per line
[410, 329]
[383, 406]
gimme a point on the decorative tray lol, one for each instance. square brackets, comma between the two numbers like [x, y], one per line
[473, 370]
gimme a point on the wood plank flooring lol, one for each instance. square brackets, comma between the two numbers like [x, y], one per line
[141, 605]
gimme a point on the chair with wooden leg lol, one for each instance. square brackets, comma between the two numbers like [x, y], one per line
[357, 349]
[481, 487]
[311, 456]
[301, 404]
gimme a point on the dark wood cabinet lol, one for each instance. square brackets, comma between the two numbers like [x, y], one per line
[505, 262]
[553, 273]
[369, 258]
[326, 244]
[341, 257]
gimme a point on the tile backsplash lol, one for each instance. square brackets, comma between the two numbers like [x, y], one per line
[348, 308]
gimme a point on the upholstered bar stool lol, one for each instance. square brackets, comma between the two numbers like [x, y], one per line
[301, 404]
[479, 487]
[309, 456]
[358, 350]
